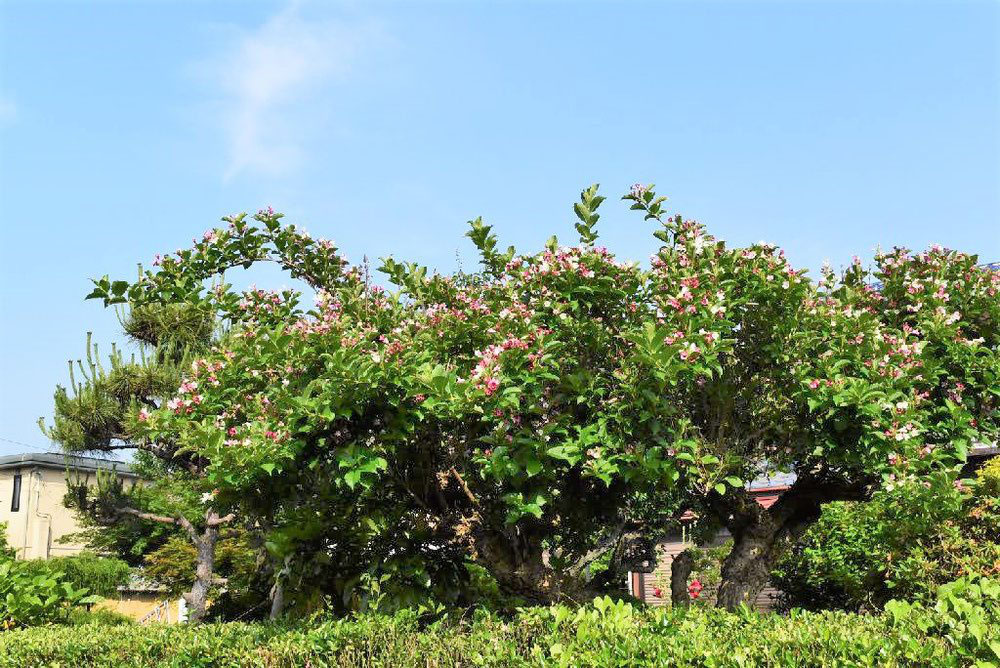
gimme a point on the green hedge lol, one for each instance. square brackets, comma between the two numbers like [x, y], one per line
[607, 634]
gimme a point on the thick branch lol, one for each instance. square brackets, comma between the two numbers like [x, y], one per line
[179, 520]
[216, 521]
[164, 519]
[809, 492]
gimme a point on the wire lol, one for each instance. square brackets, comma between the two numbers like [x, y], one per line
[28, 445]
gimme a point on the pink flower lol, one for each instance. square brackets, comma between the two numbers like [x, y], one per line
[813, 384]
[694, 589]
[143, 415]
[491, 385]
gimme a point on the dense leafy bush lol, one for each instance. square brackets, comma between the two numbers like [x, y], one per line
[966, 616]
[29, 597]
[902, 544]
[99, 575]
[38, 592]
[604, 633]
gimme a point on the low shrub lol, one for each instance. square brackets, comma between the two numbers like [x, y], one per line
[99, 575]
[954, 632]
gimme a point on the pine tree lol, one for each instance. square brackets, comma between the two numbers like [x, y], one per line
[99, 413]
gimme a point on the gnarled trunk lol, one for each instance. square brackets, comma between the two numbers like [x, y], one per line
[522, 567]
[518, 563]
[278, 589]
[277, 599]
[747, 568]
[680, 571]
[761, 536]
[197, 598]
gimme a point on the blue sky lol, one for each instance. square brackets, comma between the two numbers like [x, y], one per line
[127, 129]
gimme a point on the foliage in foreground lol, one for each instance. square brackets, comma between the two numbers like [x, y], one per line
[28, 598]
[34, 592]
[952, 633]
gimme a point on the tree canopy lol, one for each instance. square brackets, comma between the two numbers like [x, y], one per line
[560, 406]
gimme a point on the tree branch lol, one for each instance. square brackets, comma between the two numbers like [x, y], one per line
[605, 544]
[226, 519]
[163, 519]
[465, 488]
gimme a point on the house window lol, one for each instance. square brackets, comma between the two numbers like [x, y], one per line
[15, 502]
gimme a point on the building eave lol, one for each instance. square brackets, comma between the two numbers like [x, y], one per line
[60, 462]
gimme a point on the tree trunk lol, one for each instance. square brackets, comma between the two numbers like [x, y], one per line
[277, 599]
[197, 598]
[517, 563]
[278, 589]
[680, 571]
[747, 568]
[521, 568]
[761, 536]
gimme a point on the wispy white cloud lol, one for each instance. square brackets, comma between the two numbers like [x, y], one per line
[274, 83]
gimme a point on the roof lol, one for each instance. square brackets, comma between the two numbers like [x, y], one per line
[59, 461]
[775, 481]
[984, 450]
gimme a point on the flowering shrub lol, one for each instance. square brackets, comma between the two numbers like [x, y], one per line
[560, 404]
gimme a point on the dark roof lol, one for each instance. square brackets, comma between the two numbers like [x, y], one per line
[53, 460]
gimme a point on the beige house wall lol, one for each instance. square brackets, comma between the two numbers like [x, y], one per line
[34, 530]
[146, 607]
